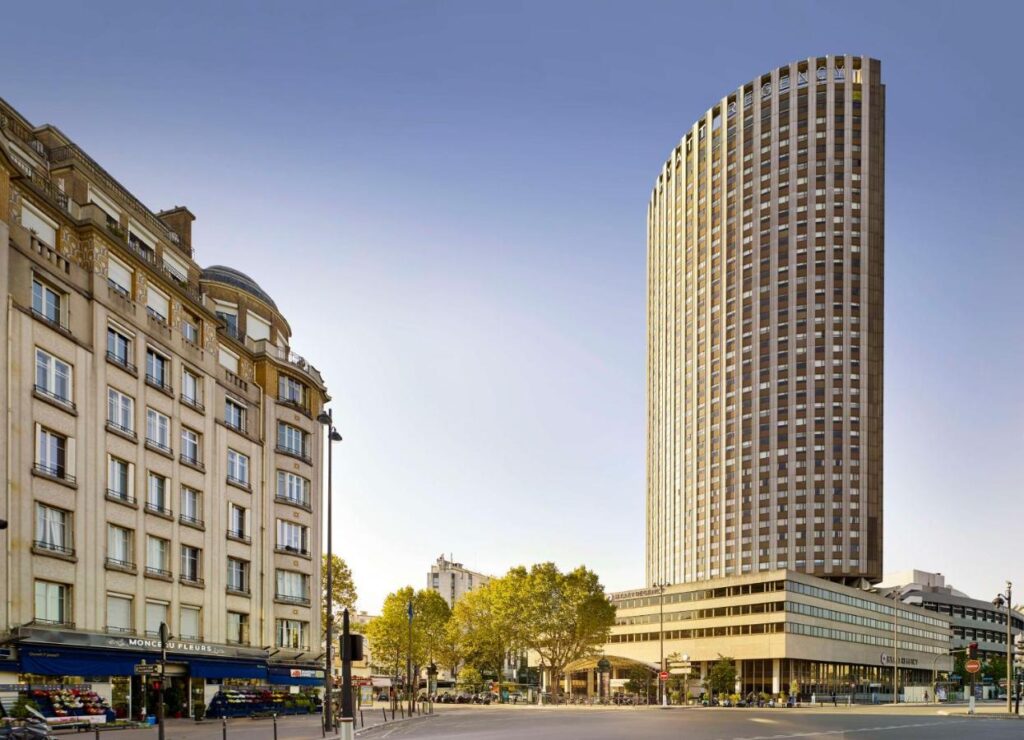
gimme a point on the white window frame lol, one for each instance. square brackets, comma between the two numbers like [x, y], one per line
[238, 467]
[120, 409]
[158, 428]
[52, 370]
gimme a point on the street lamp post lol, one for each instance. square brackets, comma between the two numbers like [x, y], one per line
[1007, 600]
[326, 418]
[164, 635]
[662, 693]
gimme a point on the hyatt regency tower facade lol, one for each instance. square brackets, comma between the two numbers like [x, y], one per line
[765, 332]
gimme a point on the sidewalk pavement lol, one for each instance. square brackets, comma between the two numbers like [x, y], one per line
[304, 727]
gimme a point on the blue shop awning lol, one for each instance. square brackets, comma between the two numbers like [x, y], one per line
[60, 661]
[202, 668]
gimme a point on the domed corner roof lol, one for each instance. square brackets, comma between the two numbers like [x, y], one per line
[236, 279]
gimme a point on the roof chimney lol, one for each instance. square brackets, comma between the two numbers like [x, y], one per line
[179, 219]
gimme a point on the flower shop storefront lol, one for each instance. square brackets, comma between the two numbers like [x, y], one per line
[98, 677]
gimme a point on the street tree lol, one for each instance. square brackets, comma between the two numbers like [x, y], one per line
[486, 623]
[565, 616]
[389, 632]
[638, 680]
[344, 592]
[722, 676]
[470, 679]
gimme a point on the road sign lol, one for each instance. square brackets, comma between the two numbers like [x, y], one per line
[972, 666]
[663, 675]
[141, 669]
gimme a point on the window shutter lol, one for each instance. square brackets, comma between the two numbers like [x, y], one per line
[69, 455]
[131, 480]
[46, 230]
[39, 433]
[119, 274]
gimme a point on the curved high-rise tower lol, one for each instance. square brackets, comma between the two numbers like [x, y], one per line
[765, 325]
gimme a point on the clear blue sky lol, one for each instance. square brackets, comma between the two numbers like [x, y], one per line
[447, 200]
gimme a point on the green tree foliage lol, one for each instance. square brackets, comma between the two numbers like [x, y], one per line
[722, 677]
[344, 591]
[566, 616]
[638, 680]
[389, 633]
[470, 679]
[487, 625]
[995, 668]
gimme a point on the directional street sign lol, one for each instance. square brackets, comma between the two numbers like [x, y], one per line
[147, 669]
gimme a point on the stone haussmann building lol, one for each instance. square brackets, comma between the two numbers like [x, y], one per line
[161, 450]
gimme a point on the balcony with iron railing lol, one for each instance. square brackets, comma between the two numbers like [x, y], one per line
[121, 498]
[158, 509]
[298, 454]
[126, 566]
[55, 398]
[72, 154]
[290, 501]
[122, 362]
[157, 446]
[289, 599]
[285, 355]
[239, 536]
[191, 579]
[191, 521]
[54, 472]
[46, 547]
[161, 573]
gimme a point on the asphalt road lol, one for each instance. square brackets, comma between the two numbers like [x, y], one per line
[697, 724]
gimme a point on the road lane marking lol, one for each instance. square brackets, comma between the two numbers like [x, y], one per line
[826, 733]
[764, 720]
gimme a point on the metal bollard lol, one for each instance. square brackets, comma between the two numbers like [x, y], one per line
[97, 730]
[402, 710]
[385, 713]
[275, 725]
[362, 720]
[224, 728]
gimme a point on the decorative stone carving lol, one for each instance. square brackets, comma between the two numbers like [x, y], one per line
[209, 337]
[246, 369]
[100, 255]
[176, 314]
[140, 287]
[72, 248]
[15, 205]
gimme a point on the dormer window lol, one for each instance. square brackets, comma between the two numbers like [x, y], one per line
[228, 314]
[256, 327]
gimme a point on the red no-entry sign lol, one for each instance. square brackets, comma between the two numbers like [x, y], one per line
[972, 666]
[663, 675]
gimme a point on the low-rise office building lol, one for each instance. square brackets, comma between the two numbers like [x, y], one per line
[788, 632]
[161, 450]
[972, 620]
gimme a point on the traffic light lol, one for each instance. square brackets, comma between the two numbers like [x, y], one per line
[355, 648]
[972, 650]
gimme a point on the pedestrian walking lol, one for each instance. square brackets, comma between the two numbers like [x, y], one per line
[834, 699]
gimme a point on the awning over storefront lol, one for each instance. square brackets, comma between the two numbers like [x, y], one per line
[294, 676]
[60, 661]
[199, 668]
